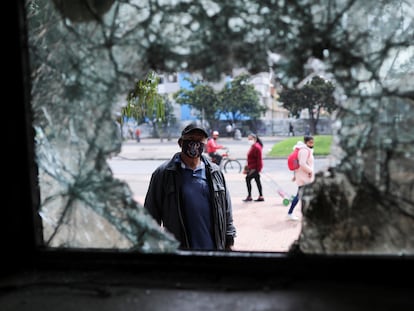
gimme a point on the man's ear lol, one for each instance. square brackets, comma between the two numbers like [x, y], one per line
[180, 142]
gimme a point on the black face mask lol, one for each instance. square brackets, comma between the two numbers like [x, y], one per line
[192, 148]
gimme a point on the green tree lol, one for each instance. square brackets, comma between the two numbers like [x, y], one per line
[203, 98]
[240, 99]
[169, 120]
[144, 102]
[315, 96]
[236, 100]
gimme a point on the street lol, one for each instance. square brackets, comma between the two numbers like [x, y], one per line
[261, 226]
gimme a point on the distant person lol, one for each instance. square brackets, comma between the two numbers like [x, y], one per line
[305, 173]
[130, 133]
[291, 129]
[254, 166]
[237, 134]
[188, 196]
[138, 134]
[229, 129]
[307, 130]
[213, 146]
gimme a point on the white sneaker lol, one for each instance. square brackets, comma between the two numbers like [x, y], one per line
[292, 217]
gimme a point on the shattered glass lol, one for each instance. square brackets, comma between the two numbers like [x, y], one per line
[85, 55]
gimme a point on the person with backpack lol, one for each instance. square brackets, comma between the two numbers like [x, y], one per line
[304, 173]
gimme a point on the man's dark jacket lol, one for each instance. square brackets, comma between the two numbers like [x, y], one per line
[163, 201]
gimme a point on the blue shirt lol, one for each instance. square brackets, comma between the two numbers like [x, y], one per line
[197, 207]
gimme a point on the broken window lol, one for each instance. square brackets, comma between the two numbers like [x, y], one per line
[85, 55]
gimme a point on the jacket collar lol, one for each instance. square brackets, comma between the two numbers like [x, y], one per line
[175, 162]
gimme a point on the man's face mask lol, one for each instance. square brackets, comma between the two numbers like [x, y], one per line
[192, 148]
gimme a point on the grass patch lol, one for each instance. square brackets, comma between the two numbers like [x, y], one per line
[283, 148]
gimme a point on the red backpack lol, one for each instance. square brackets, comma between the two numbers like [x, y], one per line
[293, 160]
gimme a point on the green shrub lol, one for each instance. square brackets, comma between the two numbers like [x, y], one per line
[284, 148]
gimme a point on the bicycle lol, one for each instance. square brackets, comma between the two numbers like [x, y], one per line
[228, 164]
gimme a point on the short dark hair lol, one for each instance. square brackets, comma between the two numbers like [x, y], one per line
[307, 138]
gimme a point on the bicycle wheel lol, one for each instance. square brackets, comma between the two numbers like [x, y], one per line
[232, 166]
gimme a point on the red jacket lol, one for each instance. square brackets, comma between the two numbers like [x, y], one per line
[255, 158]
[212, 145]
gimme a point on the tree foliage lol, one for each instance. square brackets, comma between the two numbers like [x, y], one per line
[314, 96]
[240, 99]
[201, 97]
[144, 101]
[236, 100]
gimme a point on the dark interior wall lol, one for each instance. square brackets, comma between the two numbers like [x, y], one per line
[53, 292]
[17, 226]
[34, 279]
[98, 281]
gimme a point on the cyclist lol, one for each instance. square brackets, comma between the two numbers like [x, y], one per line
[213, 146]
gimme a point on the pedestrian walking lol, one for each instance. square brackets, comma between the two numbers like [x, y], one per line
[254, 167]
[305, 173]
[291, 129]
[188, 196]
[138, 134]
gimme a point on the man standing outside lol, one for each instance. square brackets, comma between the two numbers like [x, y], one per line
[188, 196]
[213, 146]
[305, 173]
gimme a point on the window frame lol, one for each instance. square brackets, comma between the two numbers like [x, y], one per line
[21, 228]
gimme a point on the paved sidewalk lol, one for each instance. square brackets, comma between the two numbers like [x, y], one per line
[157, 149]
[261, 226]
